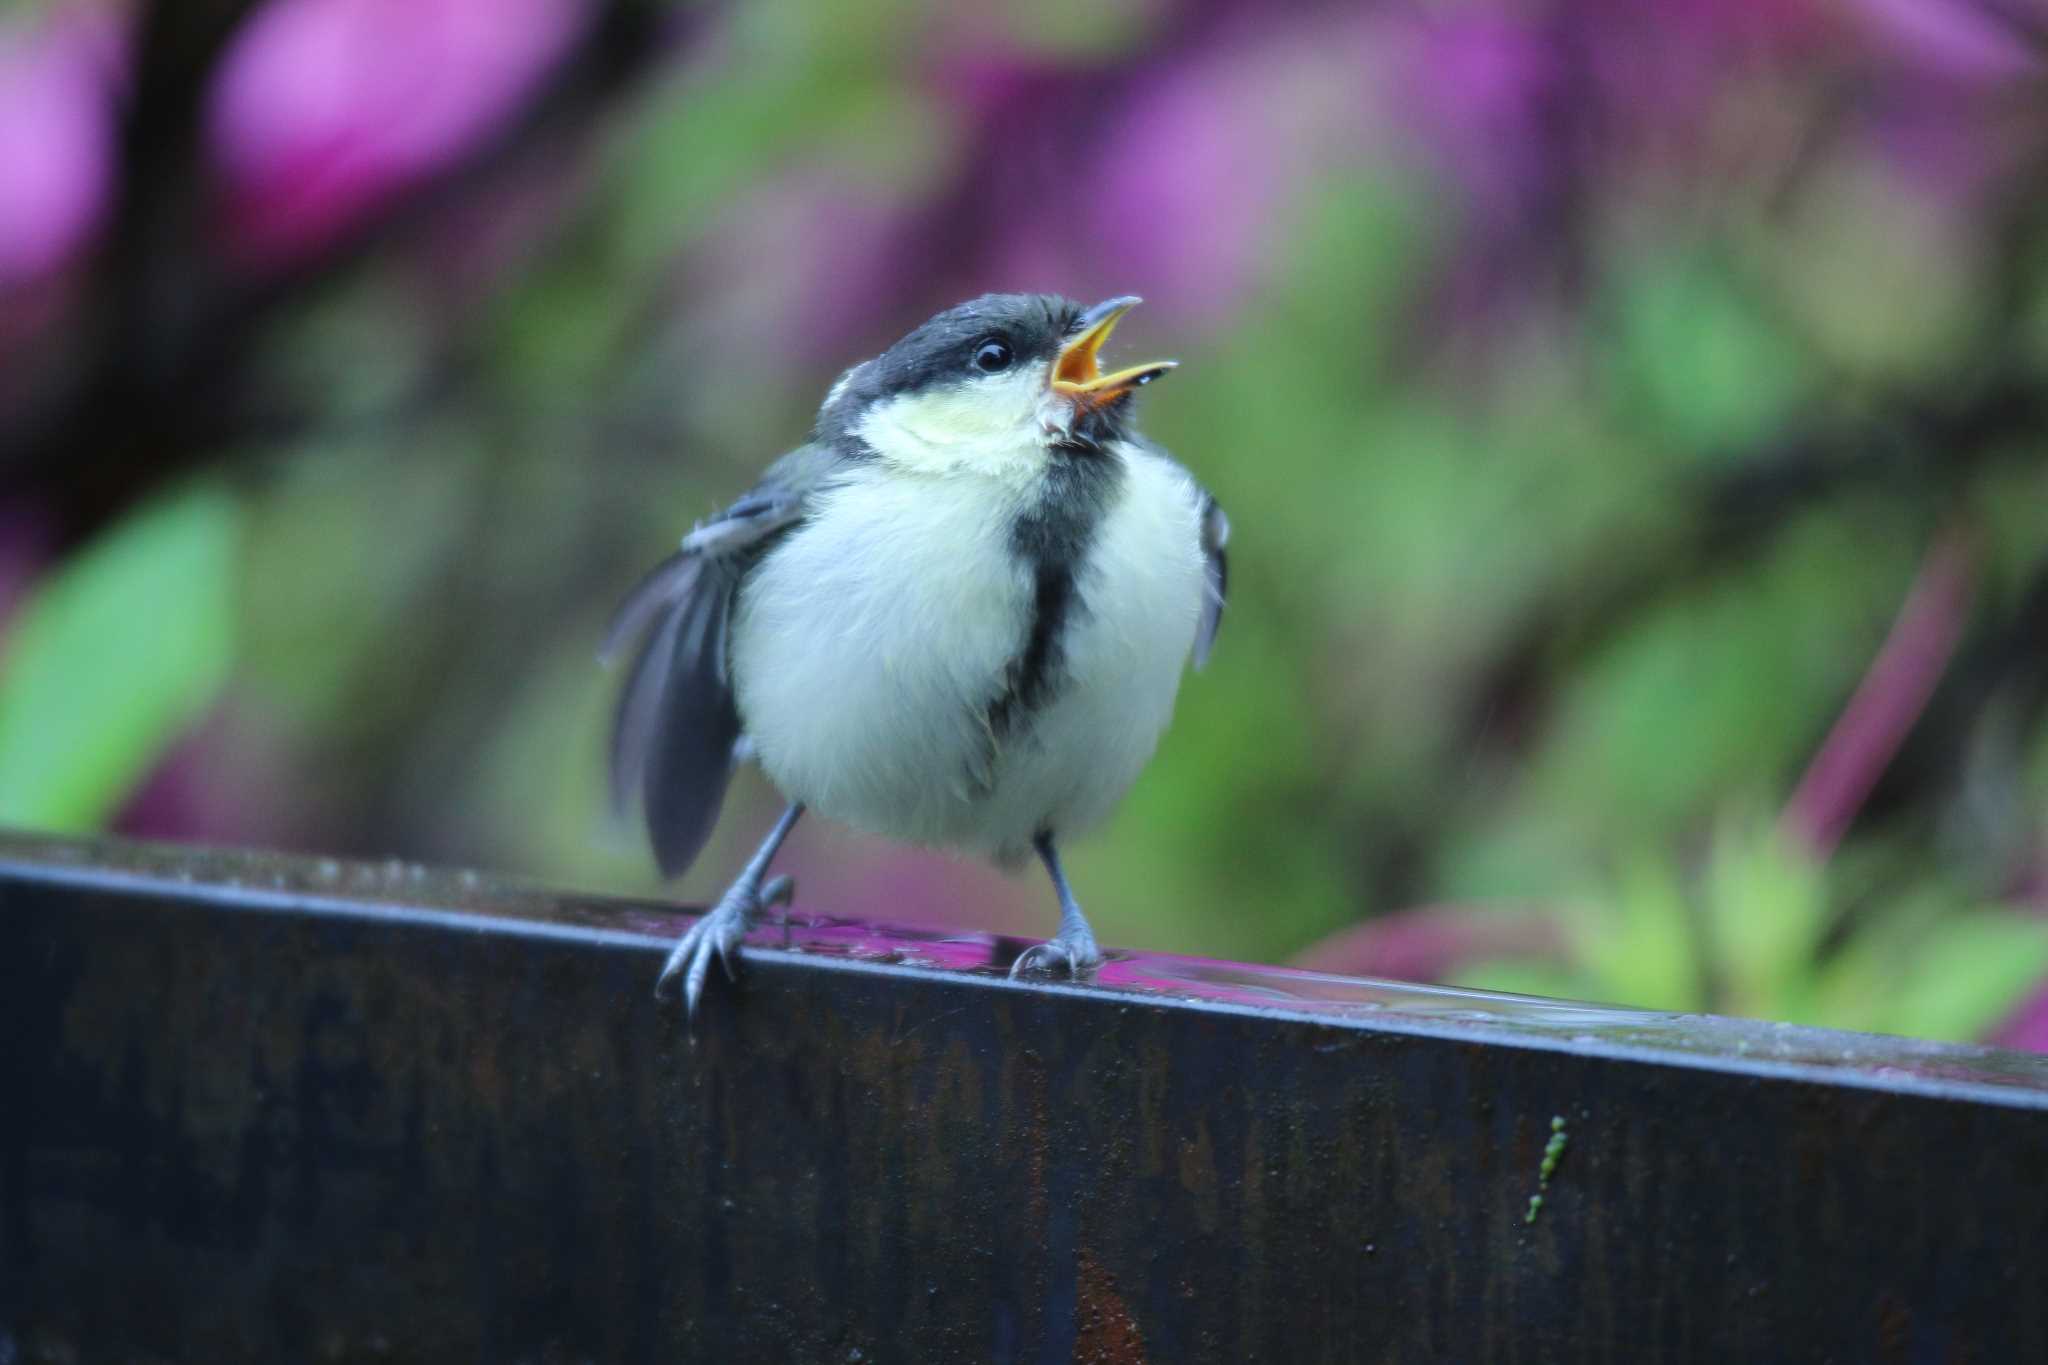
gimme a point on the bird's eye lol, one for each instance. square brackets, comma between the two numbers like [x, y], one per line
[992, 356]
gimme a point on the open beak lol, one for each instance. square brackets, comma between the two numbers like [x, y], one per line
[1076, 373]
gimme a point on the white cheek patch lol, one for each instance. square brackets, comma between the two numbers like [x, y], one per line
[985, 423]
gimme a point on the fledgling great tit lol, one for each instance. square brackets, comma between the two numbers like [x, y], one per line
[956, 616]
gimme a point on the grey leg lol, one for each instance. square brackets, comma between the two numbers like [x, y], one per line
[719, 932]
[1072, 949]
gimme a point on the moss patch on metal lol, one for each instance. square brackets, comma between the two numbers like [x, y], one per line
[1552, 1151]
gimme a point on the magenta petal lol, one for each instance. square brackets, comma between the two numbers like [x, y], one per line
[1950, 39]
[56, 141]
[326, 109]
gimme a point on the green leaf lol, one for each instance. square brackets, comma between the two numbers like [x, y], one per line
[1640, 944]
[1698, 356]
[117, 652]
[1768, 907]
[1968, 976]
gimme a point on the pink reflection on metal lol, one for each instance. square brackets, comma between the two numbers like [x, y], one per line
[57, 88]
[1394, 1006]
[1131, 973]
[325, 110]
[1431, 942]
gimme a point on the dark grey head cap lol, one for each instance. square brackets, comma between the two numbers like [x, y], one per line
[942, 351]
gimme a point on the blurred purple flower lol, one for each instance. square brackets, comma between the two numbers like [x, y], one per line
[1187, 185]
[57, 86]
[2027, 1026]
[1171, 176]
[325, 110]
[790, 271]
[1477, 88]
[1530, 115]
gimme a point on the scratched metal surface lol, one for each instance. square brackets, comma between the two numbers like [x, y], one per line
[284, 1109]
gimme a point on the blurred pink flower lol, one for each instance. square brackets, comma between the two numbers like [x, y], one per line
[57, 86]
[325, 110]
[1961, 40]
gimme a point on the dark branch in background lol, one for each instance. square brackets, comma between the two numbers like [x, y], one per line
[67, 441]
[155, 378]
[1889, 701]
[1921, 455]
[2005, 662]
[2021, 20]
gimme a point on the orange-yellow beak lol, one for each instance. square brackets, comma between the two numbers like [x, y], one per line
[1075, 373]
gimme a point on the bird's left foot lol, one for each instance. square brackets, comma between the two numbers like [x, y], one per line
[718, 934]
[1071, 952]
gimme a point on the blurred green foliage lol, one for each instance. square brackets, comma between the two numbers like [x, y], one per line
[115, 655]
[1749, 933]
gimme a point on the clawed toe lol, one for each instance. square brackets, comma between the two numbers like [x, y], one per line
[719, 935]
[1071, 958]
[680, 956]
[722, 929]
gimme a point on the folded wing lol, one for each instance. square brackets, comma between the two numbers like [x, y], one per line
[1216, 576]
[674, 734]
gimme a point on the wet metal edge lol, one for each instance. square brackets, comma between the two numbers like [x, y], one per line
[279, 1108]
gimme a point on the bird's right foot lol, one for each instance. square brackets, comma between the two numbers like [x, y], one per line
[719, 934]
[1070, 953]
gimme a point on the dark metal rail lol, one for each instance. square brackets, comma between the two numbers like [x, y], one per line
[284, 1109]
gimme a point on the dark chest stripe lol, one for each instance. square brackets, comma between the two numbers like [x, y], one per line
[1053, 540]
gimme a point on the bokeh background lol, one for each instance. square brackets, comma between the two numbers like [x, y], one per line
[1631, 413]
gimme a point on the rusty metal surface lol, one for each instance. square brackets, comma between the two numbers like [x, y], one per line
[281, 1109]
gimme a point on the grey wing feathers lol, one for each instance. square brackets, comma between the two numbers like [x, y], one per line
[677, 724]
[1215, 535]
[672, 741]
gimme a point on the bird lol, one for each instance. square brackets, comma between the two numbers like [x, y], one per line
[956, 616]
